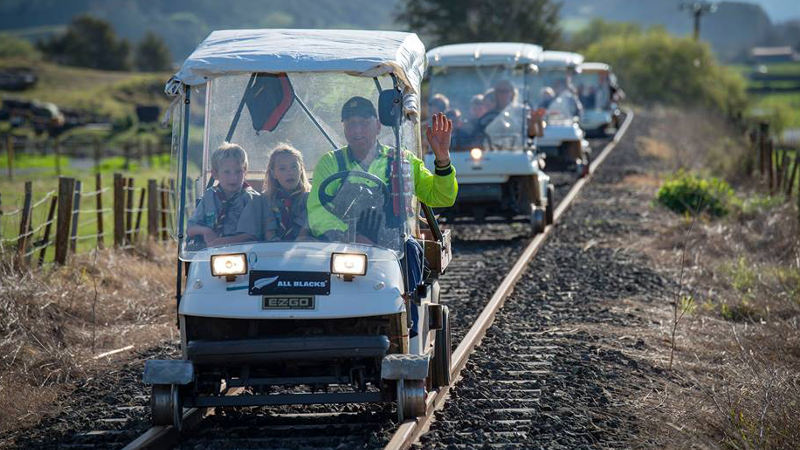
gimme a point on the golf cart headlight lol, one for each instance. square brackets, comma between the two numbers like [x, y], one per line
[349, 264]
[228, 265]
[476, 154]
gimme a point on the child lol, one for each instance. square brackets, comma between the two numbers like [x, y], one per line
[279, 214]
[218, 213]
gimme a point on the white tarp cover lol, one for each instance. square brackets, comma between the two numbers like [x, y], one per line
[485, 54]
[561, 60]
[358, 52]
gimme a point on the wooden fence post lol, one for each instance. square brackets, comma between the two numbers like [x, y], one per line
[152, 208]
[98, 182]
[129, 211]
[119, 210]
[25, 224]
[139, 216]
[770, 165]
[46, 237]
[66, 194]
[76, 209]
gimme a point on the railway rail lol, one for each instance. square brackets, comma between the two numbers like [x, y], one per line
[480, 270]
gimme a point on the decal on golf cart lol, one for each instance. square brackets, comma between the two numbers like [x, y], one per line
[299, 302]
[267, 282]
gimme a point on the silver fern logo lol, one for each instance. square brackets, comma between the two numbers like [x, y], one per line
[263, 282]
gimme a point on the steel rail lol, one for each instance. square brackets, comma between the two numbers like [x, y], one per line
[411, 430]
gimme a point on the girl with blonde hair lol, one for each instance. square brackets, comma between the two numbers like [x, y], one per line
[280, 213]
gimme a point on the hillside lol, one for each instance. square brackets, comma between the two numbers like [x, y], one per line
[103, 92]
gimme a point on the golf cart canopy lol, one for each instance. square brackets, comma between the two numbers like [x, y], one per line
[595, 67]
[485, 54]
[356, 52]
[561, 60]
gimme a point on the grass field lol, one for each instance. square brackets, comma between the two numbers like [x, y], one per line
[783, 107]
[106, 92]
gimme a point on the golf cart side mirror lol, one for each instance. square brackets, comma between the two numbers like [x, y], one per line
[390, 107]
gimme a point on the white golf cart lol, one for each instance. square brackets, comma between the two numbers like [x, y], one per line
[563, 142]
[599, 94]
[498, 169]
[308, 320]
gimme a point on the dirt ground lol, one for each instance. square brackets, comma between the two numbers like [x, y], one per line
[733, 378]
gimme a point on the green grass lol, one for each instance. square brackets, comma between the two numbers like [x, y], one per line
[787, 105]
[106, 92]
[782, 109]
[44, 180]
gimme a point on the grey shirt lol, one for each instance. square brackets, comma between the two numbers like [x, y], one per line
[261, 215]
[219, 213]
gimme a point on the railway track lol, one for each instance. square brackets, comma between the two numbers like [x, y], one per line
[488, 262]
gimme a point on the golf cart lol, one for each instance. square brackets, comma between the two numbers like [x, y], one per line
[498, 168]
[308, 320]
[599, 94]
[563, 142]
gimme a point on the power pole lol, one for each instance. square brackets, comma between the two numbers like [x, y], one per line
[698, 9]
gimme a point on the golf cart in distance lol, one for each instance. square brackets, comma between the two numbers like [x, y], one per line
[599, 94]
[308, 320]
[563, 142]
[497, 166]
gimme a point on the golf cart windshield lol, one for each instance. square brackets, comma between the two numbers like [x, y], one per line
[594, 89]
[492, 100]
[292, 124]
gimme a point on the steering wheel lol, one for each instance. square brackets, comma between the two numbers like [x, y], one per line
[326, 200]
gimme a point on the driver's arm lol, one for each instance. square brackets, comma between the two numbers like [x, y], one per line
[320, 220]
[435, 190]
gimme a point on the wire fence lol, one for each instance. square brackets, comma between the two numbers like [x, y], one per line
[73, 219]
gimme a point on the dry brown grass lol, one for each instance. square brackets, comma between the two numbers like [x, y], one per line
[736, 379]
[55, 321]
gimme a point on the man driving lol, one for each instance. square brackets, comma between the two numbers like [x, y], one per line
[364, 153]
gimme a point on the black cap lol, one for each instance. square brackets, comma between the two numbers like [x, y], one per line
[358, 107]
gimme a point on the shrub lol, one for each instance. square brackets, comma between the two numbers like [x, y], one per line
[689, 194]
[656, 67]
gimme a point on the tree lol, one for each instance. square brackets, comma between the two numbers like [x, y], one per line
[656, 67]
[88, 42]
[452, 21]
[152, 54]
[14, 47]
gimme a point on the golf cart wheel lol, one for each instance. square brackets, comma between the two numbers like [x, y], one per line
[537, 220]
[440, 365]
[165, 405]
[410, 399]
[551, 206]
